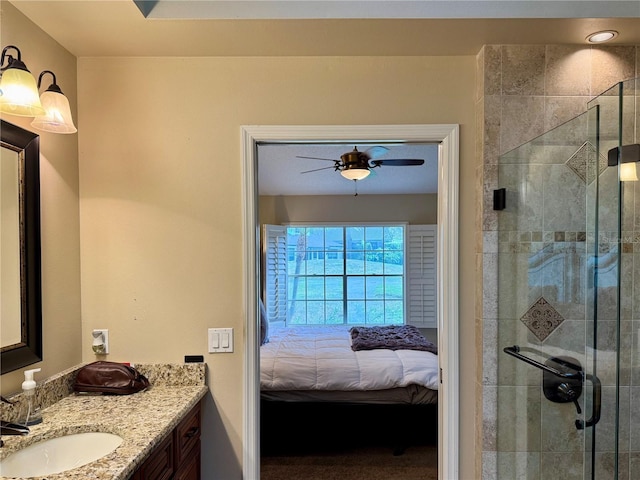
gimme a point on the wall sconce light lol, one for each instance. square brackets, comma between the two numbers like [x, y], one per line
[57, 116]
[627, 156]
[18, 90]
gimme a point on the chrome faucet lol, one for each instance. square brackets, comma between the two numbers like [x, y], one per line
[8, 428]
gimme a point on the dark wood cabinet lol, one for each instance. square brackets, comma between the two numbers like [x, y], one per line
[187, 447]
[178, 455]
[190, 470]
[160, 465]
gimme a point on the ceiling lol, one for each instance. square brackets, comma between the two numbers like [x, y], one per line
[118, 28]
[280, 170]
[184, 28]
[237, 9]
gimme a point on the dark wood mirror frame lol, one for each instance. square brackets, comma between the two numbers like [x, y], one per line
[29, 350]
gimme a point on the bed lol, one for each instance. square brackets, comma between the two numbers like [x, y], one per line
[317, 364]
[317, 393]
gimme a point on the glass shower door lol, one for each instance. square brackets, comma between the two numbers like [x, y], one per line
[568, 260]
[612, 448]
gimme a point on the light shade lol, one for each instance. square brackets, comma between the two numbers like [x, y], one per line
[19, 94]
[355, 173]
[629, 172]
[57, 117]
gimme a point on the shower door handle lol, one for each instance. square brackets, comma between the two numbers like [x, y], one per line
[570, 375]
[597, 403]
[515, 352]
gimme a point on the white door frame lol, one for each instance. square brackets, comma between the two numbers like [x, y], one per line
[447, 271]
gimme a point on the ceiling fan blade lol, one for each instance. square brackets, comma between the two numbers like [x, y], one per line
[397, 162]
[318, 158]
[318, 169]
[376, 151]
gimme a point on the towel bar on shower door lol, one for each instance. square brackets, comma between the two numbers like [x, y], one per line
[569, 386]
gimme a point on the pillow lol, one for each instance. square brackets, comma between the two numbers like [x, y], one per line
[264, 325]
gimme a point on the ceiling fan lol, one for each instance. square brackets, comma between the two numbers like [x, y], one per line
[356, 165]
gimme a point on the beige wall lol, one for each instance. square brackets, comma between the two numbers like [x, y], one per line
[161, 186]
[160, 199]
[59, 203]
[415, 209]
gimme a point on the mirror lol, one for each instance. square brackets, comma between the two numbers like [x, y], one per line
[20, 273]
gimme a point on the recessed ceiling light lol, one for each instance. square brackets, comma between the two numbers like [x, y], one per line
[603, 36]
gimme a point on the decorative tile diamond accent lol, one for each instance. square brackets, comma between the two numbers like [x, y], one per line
[542, 319]
[582, 162]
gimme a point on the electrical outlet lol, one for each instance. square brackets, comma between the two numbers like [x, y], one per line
[220, 340]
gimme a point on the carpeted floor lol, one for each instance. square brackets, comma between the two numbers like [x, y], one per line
[348, 442]
[371, 463]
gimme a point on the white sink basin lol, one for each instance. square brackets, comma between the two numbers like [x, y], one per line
[59, 454]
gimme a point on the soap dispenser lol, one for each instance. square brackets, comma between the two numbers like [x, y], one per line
[33, 416]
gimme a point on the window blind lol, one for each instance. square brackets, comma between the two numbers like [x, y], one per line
[275, 272]
[421, 276]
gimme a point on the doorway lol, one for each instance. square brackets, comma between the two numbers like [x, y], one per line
[447, 265]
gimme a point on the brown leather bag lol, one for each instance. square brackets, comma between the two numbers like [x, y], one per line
[109, 378]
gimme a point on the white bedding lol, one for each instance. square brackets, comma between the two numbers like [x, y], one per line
[320, 358]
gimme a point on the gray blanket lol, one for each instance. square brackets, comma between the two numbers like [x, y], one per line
[391, 337]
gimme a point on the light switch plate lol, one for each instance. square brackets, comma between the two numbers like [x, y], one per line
[220, 340]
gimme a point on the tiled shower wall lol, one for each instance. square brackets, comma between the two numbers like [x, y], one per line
[522, 92]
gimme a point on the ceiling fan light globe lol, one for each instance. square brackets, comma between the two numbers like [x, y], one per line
[355, 173]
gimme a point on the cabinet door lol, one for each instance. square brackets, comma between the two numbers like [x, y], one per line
[178, 455]
[187, 434]
[190, 470]
[159, 466]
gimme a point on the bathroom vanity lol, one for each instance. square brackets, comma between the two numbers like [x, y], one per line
[160, 428]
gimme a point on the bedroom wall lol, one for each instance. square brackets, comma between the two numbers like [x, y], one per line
[59, 203]
[161, 199]
[415, 209]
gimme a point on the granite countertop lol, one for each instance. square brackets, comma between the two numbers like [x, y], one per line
[142, 420]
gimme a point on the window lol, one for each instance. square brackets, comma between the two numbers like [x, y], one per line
[345, 274]
[350, 274]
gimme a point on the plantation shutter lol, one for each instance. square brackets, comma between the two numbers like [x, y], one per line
[421, 279]
[275, 268]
